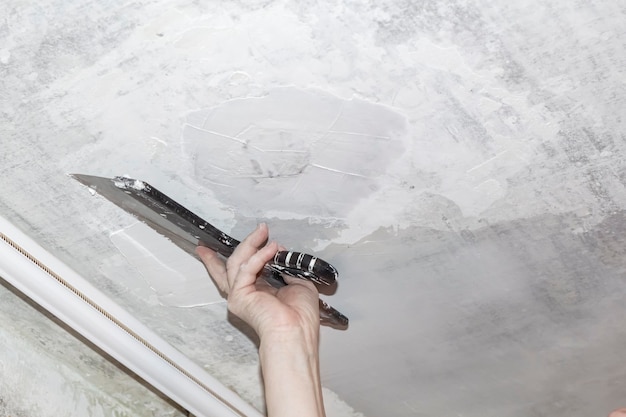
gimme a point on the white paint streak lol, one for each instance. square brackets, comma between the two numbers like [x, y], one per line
[212, 132]
[161, 141]
[487, 161]
[338, 171]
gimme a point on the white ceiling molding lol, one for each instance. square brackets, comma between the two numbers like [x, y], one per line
[64, 293]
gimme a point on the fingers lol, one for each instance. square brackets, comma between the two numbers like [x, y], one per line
[250, 244]
[303, 282]
[253, 299]
[248, 247]
[618, 413]
[215, 266]
[242, 267]
[248, 271]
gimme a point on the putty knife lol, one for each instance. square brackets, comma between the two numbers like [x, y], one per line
[187, 230]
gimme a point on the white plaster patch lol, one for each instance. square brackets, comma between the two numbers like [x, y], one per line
[178, 279]
[294, 152]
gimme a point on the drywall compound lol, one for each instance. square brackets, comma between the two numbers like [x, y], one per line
[294, 153]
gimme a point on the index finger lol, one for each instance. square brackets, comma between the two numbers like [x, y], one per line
[248, 247]
[248, 271]
[215, 266]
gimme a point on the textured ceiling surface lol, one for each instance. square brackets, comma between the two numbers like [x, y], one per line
[461, 164]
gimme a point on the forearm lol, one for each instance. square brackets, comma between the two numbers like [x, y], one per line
[290, 367]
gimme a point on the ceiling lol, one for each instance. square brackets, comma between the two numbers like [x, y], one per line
[461, 164]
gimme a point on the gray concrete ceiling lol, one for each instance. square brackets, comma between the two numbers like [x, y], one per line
[461, 164]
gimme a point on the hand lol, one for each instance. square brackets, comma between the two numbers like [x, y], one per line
[286, 319]
[268, 310]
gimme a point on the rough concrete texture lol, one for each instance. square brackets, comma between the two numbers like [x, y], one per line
[461, 164]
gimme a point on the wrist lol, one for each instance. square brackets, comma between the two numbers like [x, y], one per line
[292, 342]
[302, 338]
[290, 369]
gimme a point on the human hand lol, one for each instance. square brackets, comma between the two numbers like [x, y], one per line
[268, 310]
[286, 319]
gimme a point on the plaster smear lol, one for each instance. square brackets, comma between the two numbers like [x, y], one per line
[293, 153]
[178, 279]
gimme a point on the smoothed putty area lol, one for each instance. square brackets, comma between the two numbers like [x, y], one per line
[294, 152]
